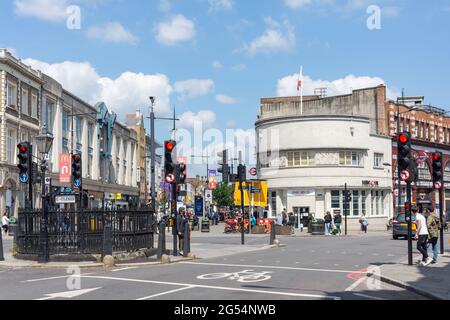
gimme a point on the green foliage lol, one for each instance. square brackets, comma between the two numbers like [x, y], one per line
[223, 195]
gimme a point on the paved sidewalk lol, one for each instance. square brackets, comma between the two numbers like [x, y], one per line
[432, 281]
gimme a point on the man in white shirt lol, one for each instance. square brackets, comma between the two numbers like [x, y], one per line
[422, 238]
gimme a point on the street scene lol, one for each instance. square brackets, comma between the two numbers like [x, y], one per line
[296, 156]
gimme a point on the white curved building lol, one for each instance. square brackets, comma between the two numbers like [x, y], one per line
[309, 155]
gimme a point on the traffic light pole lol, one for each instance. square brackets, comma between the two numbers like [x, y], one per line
[441, 217]
[175, 217]
[242, 209]
[30, 179]
[346, 207]
[44, 255]
[409, 218]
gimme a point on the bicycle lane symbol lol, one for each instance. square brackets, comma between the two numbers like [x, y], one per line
[241, 276]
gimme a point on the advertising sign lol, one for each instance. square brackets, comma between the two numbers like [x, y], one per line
[257, 189]
[212, 185]
[198, 206]
[64, 168]
[208, 195]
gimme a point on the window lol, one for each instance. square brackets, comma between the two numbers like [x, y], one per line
[335, 199]
[372, 199]
[34, 105]
[363, 202]
[300, 158]
[65, 122]
[355, 203]
[24, 102]
[78, 129]
[49, 116]
[10, 145]
[350, 158]
[377, 203]
[11, 92]
[273, 202]
[378, 160]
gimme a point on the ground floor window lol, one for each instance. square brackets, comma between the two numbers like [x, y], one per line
[273, 203]
[363, 202]
[335, 199]
[355, 199]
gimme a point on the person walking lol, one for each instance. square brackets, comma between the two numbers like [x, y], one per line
[284, 218]
[5, 223]
[291, 222]
[422, 237]
[434, 226]
[181, 218]
[364, 223]
[337, 222]
[328, 221]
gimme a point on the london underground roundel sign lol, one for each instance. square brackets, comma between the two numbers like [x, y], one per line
[438, 185]
[404, 175]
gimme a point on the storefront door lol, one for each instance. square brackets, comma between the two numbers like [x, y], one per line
[301, 216]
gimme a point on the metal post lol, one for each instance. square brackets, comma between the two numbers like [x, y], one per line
[408, 215]
[175, 217]
[243, 212]
[272, 232]
[186, 238]
[161, 240]
[152, 157]
[441, 217]
[2, 258]
[30, 179]
[44, 255]
[107, 234]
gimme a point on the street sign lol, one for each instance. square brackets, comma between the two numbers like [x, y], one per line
[77, 183]
[253, 171]
[64, 168]
[438, 185]
[404, 175]
[212, 172]
[208, 195]
[212, 183]
[421, 156]
[48, 181]
[24, 178]
[65, 199]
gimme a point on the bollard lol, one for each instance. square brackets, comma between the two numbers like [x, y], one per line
[2, 258]
[272, 232]
[161, 240]
[187, 240]
[107, 238]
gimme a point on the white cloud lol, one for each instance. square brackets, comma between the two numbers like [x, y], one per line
[226, 99]
[176, 30]
[274, 39]
[239, 67]
[296, 3]
[206, 118]
[217, 65]
[112, 32]
[216, 5]
[192, 88]
[390, 11]
[287, 86]
[48, 10]
[124, 94]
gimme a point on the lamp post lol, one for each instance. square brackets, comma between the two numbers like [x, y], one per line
[152, 155]
[45, 142]
[206, 182]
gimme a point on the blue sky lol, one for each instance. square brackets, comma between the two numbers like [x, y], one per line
[214, 59]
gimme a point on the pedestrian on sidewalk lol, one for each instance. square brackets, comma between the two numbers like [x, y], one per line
[328, 221]
[364, 223]
[284, 217]
[422, 238]
[280, 219]
[434, 226]
[5, 222]
[181, 219]
[337, 222]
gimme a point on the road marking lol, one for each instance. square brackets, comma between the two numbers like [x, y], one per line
[391, 255]
[356, 284]
[367, 296]
[123, 269]
[217, 287]
[164, 293]
[55, 278]
[272, 267]
[68, 294]
[375, 254]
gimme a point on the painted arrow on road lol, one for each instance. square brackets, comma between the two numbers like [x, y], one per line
[68, 294]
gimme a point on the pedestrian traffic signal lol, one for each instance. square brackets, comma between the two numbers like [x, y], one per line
[24, 165]
[437, 170]
[224, 168]
[347, 197]
[76, 170]
[181, 173]
[169, 164]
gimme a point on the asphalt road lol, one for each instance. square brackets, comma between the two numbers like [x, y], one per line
[306, 268]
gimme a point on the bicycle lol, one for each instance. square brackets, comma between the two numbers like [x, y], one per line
[242, 276]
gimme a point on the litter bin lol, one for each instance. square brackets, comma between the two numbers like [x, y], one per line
[205, 225]
[12, 226]
[318, 227]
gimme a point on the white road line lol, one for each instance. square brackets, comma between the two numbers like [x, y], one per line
[271, 267]
[164, 293]
[123, 269]
[55, 278]
[375, 254]
[356, 284]
[367, 296]
[217, 287]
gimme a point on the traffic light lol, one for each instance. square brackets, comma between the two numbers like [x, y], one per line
[224, 168]
[406, 164]
[169, 164]
[242, 172]
[76, 170]
[35, 174]
[347, 198]
[24, 165]
[181, 173]
[437, 170]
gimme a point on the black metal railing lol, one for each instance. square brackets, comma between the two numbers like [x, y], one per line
[74, 232]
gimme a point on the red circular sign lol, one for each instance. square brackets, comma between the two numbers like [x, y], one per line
[438, 185]
[404, 175]
[253, 171]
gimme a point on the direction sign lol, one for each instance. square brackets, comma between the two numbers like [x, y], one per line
[77, 183]
[63, 199]
[24, 177]
[404, 175]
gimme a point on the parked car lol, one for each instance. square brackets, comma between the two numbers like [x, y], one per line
[400, 226]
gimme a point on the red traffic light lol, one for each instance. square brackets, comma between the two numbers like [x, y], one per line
[22, 147]
[436, 156]
[169, 145]
[403, 138]
[76, 158]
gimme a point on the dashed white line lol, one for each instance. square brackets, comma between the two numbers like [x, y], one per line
[356, 283]
[367, 296]
[123, 269]
[164, 293]
[60, 277]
